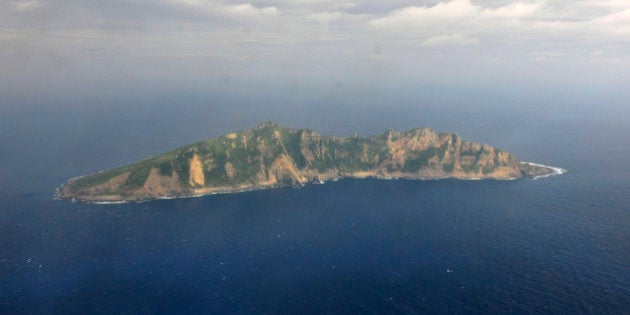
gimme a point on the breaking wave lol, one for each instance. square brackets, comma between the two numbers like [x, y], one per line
[555, 170]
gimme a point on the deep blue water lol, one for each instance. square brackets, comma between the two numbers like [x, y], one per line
[553, 245]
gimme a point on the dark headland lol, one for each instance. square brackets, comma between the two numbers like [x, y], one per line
[271, 155]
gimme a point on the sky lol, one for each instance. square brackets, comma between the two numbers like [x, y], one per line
[59, 47]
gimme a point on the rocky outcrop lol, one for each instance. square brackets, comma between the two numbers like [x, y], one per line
[197, 179]
[270, 155]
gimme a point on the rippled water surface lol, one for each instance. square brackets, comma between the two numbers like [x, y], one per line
[554, 245]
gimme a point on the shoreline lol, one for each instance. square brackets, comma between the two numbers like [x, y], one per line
[553, 171]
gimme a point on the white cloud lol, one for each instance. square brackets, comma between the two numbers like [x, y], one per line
[245, 34]
[618, 18]
[515, 10]
[610, 4]
[214, 8]
[327, 17]
[26, 5]
[315, 5]
[517, 22]
[458, 11]
[448, 40]
[414, 15]
[248, 10]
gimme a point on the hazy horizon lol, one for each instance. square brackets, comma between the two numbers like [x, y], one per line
[524, 52]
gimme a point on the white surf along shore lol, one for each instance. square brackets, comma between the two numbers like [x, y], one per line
[555, 170]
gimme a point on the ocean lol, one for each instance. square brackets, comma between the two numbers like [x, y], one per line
[553, 245]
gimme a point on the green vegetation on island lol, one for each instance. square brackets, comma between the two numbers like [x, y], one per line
[271, 155]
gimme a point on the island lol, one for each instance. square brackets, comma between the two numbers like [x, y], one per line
[270, 155]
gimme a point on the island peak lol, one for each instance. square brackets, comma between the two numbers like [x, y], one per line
[270, 155]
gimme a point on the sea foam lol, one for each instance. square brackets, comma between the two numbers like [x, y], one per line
[555, 170]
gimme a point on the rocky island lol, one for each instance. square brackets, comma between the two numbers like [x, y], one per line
[271, 155]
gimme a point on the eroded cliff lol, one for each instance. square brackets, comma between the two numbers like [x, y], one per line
[270, 155]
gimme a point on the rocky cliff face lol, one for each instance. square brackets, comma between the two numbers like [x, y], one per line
[270, 155]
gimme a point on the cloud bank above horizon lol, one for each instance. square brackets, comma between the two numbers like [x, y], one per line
[76, 43]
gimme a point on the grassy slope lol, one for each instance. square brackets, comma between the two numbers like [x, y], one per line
[246, 149]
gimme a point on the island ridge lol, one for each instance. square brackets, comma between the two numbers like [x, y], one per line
[271, 155]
